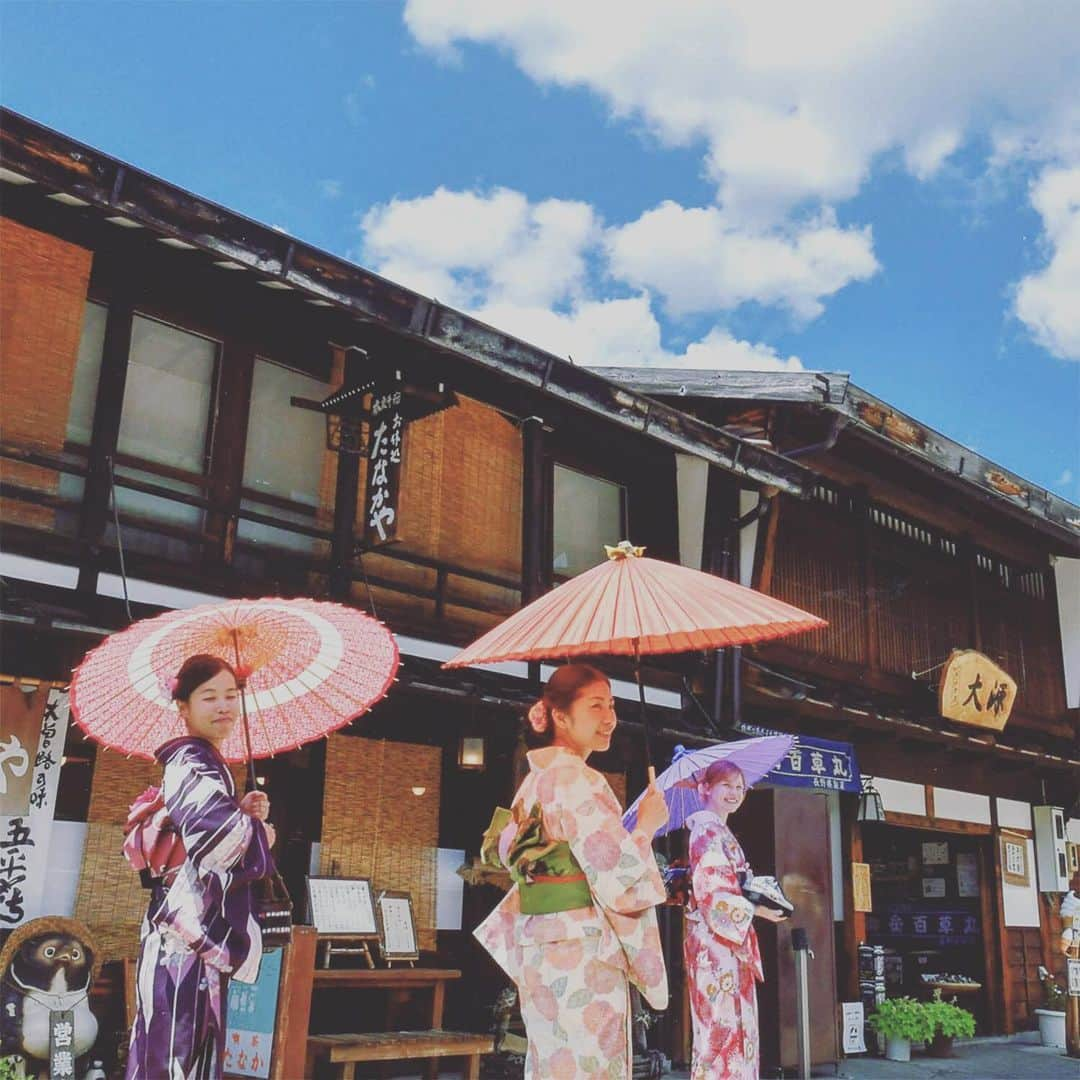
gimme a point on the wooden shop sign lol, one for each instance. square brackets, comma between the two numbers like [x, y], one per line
[974, 690]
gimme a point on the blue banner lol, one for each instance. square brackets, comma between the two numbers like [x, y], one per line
[251, 1015]
[813, 763]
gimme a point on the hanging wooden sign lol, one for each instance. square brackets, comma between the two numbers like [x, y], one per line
[860, 886]
[974, 690]
[385, 441]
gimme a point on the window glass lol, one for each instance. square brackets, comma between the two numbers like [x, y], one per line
[285, 456]
[84, 385]
[589, 513]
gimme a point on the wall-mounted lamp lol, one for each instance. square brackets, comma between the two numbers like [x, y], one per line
[871, 808]
[471, 752]
[419, 790]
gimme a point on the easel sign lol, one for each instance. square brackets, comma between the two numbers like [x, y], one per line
[342, 910]
[251, 1018]
[397, 928]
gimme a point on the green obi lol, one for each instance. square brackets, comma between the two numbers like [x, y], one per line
[548, 877]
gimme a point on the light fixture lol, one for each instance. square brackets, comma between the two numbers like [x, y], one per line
[28, 686]
[418, 790]
[260, 780]
[471, 752]
[871, 808]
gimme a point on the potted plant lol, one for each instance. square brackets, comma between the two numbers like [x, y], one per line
[901, 1021]
[947, 1022]
[1052, 1017]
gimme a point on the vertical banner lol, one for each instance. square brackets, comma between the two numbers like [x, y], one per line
[250, 1020]
[33, 727]
[384, 466]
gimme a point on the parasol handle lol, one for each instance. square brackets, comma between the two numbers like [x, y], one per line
[644, 712]
[242, 684]
[652, 774]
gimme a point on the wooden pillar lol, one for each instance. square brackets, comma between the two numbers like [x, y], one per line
[294, 1005]
[994, 887]
[108, 406]
[965, 551]
[535, 569]
[854, 931]
[346, 497]
[720, 555]
[868, 581]
[226, 476]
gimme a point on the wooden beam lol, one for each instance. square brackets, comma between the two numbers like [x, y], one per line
[346, 497]
[535, 511]
[854, 928]
[104, 436]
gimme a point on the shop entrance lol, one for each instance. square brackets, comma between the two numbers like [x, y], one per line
[931, 913]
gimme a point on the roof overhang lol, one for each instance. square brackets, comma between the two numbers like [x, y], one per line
[87, 178]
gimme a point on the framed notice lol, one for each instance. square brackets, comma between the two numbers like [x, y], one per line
[342, 906]
[1014, 860]
[854, 1027]
[933, 887]
[860, 886]
[935, 854]
[397, 929]
[1074, 977]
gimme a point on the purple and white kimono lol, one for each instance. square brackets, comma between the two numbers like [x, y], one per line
[200, 929]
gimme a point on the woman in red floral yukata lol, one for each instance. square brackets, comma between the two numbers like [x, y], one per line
[579, 926]
[721, 946]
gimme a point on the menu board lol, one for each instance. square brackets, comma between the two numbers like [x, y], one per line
[342, 906]
[250, 1019]
[398, 940]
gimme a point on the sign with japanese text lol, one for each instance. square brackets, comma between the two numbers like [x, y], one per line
[1074, 976]
[387, 434]
[812, 763]
[61, 1045]
[854, 1027]
[923, 926]
[974, 690]
[33, 728]
[860, 887]
[252, 1014]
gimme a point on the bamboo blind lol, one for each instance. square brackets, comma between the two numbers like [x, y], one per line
[375, 827]
[110, 897]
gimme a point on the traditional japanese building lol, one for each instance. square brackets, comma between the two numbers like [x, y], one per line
[197, 406]
[916, 550]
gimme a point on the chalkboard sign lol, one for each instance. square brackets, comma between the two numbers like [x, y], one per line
[342, 906]
[250, 1020]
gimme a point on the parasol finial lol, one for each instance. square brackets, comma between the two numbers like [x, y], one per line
[623, 550]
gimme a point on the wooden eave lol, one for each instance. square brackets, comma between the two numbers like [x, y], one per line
[112, 188]
[873, 419]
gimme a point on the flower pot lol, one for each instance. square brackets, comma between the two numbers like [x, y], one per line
[1051, 1027]
[940, 1046]
[898, 1049]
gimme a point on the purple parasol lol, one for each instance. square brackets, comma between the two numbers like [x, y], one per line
[678, 782]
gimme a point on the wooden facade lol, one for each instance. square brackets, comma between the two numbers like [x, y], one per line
[903, 569]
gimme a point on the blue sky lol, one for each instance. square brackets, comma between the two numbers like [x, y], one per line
[893, 192]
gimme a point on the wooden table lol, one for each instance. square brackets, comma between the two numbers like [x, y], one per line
[399, 981]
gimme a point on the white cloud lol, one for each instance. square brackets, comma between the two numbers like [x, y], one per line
[793, 102]
[1066, 477]
[1048, 302]
[699, 262]
[330, 189]
[470, 249]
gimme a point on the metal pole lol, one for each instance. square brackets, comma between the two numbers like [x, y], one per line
[803, 954]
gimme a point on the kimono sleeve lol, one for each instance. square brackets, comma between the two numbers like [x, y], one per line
[620, 867]
[218, 835]
[718, 896]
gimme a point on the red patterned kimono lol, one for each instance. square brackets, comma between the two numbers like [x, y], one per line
[722, 957]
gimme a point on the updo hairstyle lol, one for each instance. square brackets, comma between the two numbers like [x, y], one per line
[560, 693]
[195, 671]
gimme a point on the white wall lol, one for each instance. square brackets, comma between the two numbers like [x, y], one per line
[961, 806]
[901, 797]
[748, 500]
[840, 864]
[1014, 815]
[67, 841]
[692, 483]
[1067, 573]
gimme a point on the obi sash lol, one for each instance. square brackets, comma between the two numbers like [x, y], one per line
[548, 876]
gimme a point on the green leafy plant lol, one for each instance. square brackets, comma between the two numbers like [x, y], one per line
[1052, 993]
[948, 1019]
[902, 1018]
[11, 1068]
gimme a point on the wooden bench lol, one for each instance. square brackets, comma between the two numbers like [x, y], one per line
[344, 1051]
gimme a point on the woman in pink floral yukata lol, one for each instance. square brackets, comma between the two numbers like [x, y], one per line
[578, 927]
[721, 946]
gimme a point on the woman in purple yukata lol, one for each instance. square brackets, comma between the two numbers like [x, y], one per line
[200, 929]
[578, 927]
[720, 947]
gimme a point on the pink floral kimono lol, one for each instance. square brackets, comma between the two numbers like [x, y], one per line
[573, 968]
[722, 957]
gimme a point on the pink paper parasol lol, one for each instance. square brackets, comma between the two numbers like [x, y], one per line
[309, 668]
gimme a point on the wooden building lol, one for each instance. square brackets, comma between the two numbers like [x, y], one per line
[162, 369]
[911, 546]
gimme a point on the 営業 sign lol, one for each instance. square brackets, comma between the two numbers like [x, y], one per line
[974, 690]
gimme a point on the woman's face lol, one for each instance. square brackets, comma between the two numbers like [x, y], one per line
[725, 794]
[212, 709]
[590, 721]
